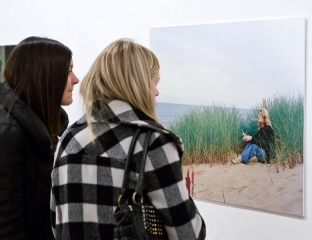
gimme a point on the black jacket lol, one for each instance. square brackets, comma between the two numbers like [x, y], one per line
[264, 138]
[26, 159]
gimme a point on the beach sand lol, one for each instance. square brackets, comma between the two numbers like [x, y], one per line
[251, 186]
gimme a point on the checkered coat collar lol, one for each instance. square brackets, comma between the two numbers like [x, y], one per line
[120, 112]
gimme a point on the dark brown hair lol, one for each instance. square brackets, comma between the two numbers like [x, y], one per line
[37, 71]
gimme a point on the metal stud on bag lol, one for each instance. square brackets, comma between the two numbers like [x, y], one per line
[150, 217]
[152, 220]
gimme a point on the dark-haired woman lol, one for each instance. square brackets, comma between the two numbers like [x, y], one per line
[39, 79]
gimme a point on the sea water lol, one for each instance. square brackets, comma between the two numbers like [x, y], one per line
[168, 113]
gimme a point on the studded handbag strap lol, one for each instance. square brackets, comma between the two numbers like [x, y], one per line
[139, 185]
[125, 182]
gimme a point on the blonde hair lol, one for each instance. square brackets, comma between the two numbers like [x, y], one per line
[266, 118]
[122, 71]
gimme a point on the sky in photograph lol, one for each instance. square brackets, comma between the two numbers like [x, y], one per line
[230, 64]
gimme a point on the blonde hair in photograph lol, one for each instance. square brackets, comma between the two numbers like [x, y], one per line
[266, 118]
[122, 71]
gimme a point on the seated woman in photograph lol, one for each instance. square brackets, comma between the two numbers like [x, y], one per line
[260, 147]
[119, 93]
[39, 79]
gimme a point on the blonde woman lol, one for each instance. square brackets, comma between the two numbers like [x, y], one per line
[119, 94]
[260, 147]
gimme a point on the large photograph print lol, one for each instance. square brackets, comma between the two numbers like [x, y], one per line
[234, 93]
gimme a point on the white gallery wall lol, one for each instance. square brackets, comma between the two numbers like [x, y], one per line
[88, 26]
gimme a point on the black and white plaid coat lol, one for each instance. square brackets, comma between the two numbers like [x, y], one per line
[87, 176]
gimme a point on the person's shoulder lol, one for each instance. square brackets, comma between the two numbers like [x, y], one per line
[76, 137]
[12, 132]
[268, 127]
[168, 141]
[7, 120]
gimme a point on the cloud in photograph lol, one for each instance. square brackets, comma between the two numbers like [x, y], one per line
[233, 64]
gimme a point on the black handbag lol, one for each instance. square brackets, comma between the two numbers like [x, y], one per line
[136, 218]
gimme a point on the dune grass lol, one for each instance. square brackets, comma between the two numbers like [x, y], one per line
[210, 135]
[213, 134]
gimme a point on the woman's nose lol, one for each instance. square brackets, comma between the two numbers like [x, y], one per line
[75, 80]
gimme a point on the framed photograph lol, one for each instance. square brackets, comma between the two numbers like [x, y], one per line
[4, 54]
[220, 85]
